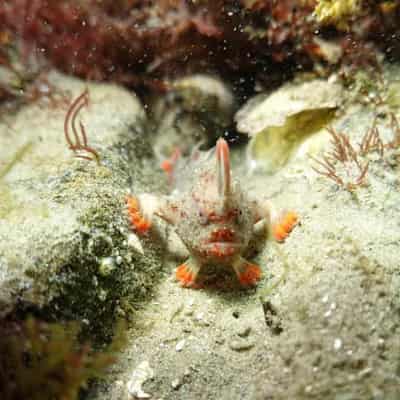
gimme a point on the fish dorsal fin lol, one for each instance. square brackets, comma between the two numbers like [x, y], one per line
[223, 172]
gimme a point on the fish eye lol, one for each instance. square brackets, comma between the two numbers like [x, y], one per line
[203, 218]
[238, 214]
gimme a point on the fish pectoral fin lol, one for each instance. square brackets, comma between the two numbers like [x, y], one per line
[247, 273]
[283, 224]
[187, 272]
[139, 222]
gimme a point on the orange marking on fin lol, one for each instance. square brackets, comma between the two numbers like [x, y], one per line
[280, 234]
[139, 223]
[169, 164]
[282, 229]
[251, 275]
[184, 275]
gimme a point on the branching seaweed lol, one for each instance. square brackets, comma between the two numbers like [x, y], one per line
[395, 127]
[77, 139]
[353, 172]
[372, 141]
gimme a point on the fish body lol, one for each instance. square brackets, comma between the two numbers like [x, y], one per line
[214, 217]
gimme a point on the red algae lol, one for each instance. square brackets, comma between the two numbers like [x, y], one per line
[139, 43]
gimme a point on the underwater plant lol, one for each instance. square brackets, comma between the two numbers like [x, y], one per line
[23, 79]
[353, 171]
[142, 43]
[372, 141]
[395, 128]
[77, 139]
[46, 361]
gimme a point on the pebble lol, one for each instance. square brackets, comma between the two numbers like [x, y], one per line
[134, 243]
[241, 345]
[187, 328]
[188, 312]
[200, 320]
[180, 345]
[106, 266]
[244, 331]
[142, 373]
[220, 340]
[176, 384]
[337, 344]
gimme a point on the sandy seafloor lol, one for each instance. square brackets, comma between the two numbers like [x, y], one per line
[324, 321]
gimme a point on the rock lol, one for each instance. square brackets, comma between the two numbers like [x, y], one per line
[141, 374]
[180, 345]
[200, 319]
[196, 109]
[264, 111]
[63, 221]
[244, 331]
[279, 122]
[241, 344]
[176, 384]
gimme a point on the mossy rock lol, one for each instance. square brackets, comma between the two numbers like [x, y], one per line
[64, 250]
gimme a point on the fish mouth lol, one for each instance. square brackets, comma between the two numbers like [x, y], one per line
[221, 249]
[222, 244]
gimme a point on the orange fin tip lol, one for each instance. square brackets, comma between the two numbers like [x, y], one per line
[282, 229]
[139, 223]
[250, 275]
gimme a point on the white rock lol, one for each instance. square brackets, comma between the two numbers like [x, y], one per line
[337, 344]
[134, 242]
[264, 111]
[180, 345]
[142, 373]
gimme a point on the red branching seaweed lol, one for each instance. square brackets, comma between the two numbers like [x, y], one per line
[395, 127]
[372, 141]
[141, 42]
[77, 141]
[353, 172]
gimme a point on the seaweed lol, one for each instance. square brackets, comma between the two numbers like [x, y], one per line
[47, 361]
[77, 140]
[141, 43]
[23, 77]
[395, 128]
[372, 141]
[353, 170]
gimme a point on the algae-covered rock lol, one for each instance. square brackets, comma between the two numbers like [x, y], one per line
[64, 246]
[337, 11]
[196, 109]
[279, 122]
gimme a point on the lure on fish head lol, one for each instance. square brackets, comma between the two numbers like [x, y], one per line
[224, 224]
